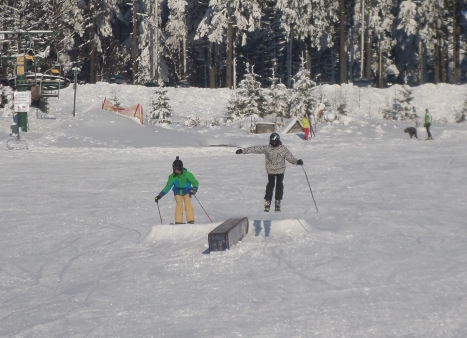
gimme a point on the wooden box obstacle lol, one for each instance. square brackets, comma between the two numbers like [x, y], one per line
[227, 234]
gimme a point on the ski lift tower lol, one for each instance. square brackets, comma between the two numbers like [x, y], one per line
[21, 59]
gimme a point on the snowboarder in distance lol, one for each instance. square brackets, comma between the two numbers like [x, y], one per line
[306, 127]
[428, 120]
[275, 154]
[184, 186]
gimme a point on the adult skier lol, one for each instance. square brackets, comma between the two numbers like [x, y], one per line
[428, 120]
[184, 186]
[275, 154]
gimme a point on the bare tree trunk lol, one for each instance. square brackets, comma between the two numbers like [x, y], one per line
[229, 61]
[134, 49]
[444, 64]
[362, 42]
[437, 63]
[289, 59]
[308, 63]
[421, 62]
[185, 57]
[92, 37]
[380, 67]
[369, 52]
[212, 70]
[342, 49]
[455, 41]
[156, 49]
[369, 44]
[352, 53]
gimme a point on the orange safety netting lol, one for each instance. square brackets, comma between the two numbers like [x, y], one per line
[133, 111]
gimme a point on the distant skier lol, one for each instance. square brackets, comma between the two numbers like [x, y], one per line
[275, 154]
[306, 126]
[428, 120]
[184, 186]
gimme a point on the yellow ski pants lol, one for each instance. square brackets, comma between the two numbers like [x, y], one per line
[190, 214]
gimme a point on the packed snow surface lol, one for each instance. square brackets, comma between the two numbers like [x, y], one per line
[83, 251]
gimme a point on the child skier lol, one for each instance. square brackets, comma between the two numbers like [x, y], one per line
[275, 154]
[184, 186]
[306, 127]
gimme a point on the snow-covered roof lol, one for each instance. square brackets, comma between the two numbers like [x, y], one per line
[284, 130]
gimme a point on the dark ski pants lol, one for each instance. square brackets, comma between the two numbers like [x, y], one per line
[427, 126]
[277, 181]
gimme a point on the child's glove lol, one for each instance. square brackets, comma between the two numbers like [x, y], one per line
[239, 151]
[157, 198]
[300, 162]
[193, 191]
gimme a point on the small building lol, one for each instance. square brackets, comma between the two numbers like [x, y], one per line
[293, 126]
[265, 127]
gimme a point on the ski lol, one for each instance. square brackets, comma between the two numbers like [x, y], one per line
[176, 223]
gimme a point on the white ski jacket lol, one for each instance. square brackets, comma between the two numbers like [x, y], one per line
[275, 157]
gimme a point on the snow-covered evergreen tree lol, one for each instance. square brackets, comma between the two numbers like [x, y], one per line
[6, 99]
[149, 40]
[177, 32]
[381, 22]
[302, 100]
[248, 99]
[402, 108]
[279, 97]
[408, 35]
[160, 108]
[406, 109]
[246, 14]
[312, 22]
[115, 100]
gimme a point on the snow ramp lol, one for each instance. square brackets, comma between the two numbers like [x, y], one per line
[176, 234]
[172, 235]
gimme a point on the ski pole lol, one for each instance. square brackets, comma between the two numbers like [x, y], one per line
[159, 211]
[310, 188]
[203, 208]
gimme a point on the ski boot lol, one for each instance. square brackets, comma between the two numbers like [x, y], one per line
[277, 206]
[267, 206]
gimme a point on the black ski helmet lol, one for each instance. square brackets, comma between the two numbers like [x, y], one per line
[275, 139]
[177, 164]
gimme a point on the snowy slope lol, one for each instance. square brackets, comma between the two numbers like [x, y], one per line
[83, 253]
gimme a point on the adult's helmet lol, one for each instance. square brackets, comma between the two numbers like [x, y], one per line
[177, 164]
[275, 139]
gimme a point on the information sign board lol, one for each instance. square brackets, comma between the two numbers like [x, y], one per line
[22, 101]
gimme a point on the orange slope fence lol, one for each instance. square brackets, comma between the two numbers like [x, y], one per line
[134, 112]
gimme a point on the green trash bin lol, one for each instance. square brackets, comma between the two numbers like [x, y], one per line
[14, 129]
[23, 120]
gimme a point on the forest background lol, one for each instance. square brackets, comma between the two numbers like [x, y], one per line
[216, 43]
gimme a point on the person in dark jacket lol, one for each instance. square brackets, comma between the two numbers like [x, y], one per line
[184, 186]
[276, 154]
